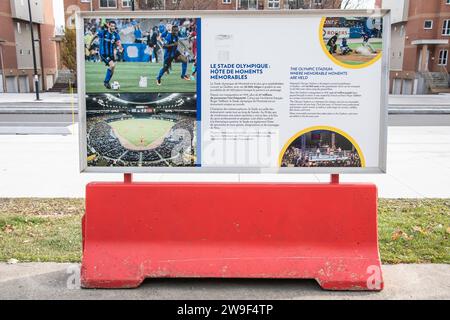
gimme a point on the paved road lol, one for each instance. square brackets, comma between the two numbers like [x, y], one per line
[419, 104]
[37, 119]
[418, 120]
[53, 123]
[54, 281]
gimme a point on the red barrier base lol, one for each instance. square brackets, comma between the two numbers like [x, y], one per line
[327, 232]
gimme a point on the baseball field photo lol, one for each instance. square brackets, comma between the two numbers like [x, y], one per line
[141, 134]
[353, 41]
[140, 55]
[141, 130]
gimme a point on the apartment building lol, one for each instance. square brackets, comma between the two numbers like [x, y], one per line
[420, 46]
[98, 5]
[16, 59]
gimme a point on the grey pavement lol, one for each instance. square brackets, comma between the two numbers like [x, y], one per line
[59, 281]
[50, 103]
[46, 97]
[37, 123]
[22, 114]
[418, 119]
[419, 104]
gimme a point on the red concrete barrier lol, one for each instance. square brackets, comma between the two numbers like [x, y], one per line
[327, 232]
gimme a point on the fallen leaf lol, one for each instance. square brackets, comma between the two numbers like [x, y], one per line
[448, 230]
[8, 228]
[400, 234]
[396, 234]
[418, 229]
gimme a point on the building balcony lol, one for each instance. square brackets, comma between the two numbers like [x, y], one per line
[429, 42]
[19, 10]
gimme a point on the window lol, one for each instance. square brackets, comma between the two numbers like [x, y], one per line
[274, 4]
[229, 1]
[318, 2]
[428, 24]
[446, 28]
[443, 57]
[108, 3]
[19, 29]
[126, 3]
[248, 4]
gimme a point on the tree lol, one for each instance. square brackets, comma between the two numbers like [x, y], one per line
[151, 4]
[193, 5]
[69, 50]
[330, 4]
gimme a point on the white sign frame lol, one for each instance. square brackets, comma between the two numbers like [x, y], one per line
[265, 14]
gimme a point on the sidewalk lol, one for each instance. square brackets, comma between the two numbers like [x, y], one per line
[50, 281]
[418, 166]
[50, 103]
[419, 104]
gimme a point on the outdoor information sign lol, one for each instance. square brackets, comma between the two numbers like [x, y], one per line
[242, 92]
[273, 91]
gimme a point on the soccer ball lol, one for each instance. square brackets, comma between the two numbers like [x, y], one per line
[115, 85]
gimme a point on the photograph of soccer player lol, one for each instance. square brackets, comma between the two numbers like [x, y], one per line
[109, 44]
[144, 55]
[172, 53]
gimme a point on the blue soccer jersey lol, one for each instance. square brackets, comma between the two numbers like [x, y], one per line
[171, 51]
[108, 42]
[162, 28]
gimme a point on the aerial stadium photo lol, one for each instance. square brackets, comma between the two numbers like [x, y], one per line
[321, 148]
[140, 55]
[141, 130]
[353, 41]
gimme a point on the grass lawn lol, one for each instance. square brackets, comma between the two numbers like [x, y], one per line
[129, 73]
[141, 132]
[410, 231]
